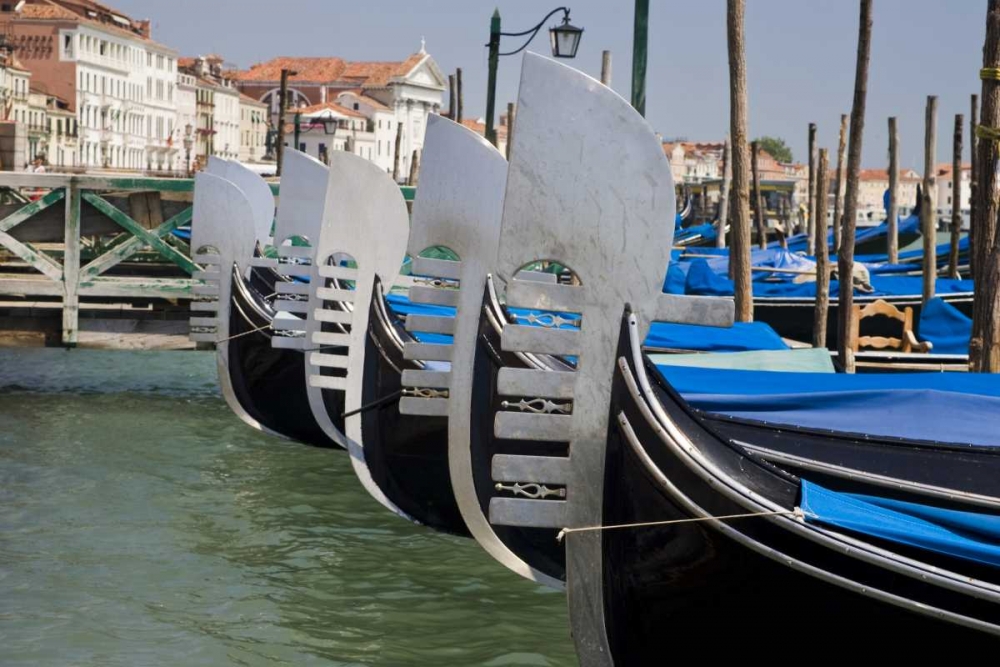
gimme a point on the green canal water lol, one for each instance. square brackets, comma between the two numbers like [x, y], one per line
[141, 523]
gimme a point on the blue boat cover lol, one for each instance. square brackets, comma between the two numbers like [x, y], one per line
[741, 337]
[703, 281]
[967, 535]
[948, 328]
[905, 405]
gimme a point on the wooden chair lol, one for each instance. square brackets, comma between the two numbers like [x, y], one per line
[907, 342]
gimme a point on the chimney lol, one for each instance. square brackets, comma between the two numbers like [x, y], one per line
[143, 26]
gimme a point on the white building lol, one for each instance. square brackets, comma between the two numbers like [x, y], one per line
[946, 188]
[253, 129]
[105, 65]
[388, 94]
[187, 118]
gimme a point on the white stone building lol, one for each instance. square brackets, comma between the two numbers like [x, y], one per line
[946, 189]
[253, 129]
[388, 94]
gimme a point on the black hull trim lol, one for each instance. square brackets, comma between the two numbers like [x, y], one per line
[406, 455]
[748, 579]
[269, 384]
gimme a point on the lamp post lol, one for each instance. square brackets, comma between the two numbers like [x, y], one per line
[329, 124]
[564, 39]
[188, 143]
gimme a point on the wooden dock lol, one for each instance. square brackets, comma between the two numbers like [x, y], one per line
[98, 249]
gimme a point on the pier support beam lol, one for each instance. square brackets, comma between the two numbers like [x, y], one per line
[71, 267]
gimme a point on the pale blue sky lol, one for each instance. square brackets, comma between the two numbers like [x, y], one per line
[800, 54]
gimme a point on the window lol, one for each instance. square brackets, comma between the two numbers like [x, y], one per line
[379, 147]
[356, 106]
[103, 48]
[68, 45]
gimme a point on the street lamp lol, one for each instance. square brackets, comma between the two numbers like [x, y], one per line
[188, 143]
[564, 39]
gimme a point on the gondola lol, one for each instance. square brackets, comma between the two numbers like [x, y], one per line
[783, 569]
[265, 387]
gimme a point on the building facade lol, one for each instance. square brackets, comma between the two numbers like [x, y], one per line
[947, 191]
[394, 94]
[253, 129]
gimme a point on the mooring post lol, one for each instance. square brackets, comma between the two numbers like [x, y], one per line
[739, 256]
[956, 197]
[838, 201]
[511, 113]
[606, 68]
[395, 157]
[893, 212]
[928, 209]
[984, 348]
[71, 266]
[458, 95]
[725, 193]
[282, 107]
[451, 97]
[973, 181]
[822, 255]
[758, 199]
[414, 168]
[845, 259]
[811, 223]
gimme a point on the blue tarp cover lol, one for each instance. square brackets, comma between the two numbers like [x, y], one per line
[905, 405]
[743, 336]
[946, 327]
[965, 535]
[701, 280]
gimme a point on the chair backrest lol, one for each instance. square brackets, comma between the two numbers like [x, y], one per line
[882, 308]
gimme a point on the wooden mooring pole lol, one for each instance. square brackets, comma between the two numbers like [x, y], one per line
[822, 255]
[739, 257]
[758, 199]
[845, 259]
[452, 111]
[956, 196]
[725, 194]
[395, 156]
[838, 201]
[282, 108]
[893, 212]
[511, 114]
[928, 203]
[973, 180]
[458, 95]
[984, 349]
[811, 222]
[606, 68]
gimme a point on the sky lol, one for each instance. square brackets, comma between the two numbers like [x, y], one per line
[801, 55]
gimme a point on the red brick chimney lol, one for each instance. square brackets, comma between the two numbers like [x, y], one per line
[144, 28]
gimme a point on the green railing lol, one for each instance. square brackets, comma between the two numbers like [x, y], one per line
[102, 232]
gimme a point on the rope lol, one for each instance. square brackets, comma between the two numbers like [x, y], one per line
[245, 333]
[566, 531]
[987, 133]
[990, 74]
[374, 404]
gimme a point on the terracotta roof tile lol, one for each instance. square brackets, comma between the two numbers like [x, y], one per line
[76, 10]
[480, 127]
[326, 70]
[370, 101]
[327, 106]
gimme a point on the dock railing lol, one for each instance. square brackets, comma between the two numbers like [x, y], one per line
[49, 221]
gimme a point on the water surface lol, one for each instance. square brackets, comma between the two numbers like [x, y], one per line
[141, 523]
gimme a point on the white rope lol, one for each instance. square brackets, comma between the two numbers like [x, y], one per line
[565, 531]
[244, 333]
